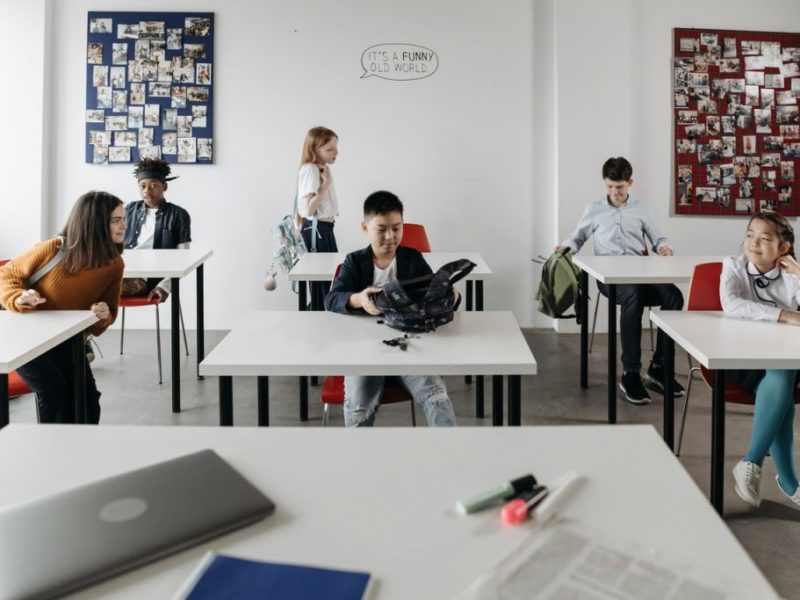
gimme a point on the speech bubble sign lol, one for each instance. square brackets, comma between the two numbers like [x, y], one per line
[399, 62]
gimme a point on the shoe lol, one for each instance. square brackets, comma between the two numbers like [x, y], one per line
[748, 482]
[654, 380]
[87, 346]
[631, 386]
[794, 497]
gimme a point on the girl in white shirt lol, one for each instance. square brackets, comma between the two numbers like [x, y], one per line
[764, 284]
[317, 205]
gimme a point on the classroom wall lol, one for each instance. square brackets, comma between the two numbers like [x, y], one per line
[456, 147]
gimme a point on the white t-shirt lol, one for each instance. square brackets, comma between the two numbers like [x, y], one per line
[147, 233]
[381, 276]
[308, 182]
[744, 298]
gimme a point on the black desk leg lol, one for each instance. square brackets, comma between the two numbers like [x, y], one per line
[79, 360]
[669, 391]
[718, 440]
[263, 401]
[201, 323]
[315, 306]
[612, 354]
[584, 308]
[497, 400]
[479, 379]
[468, 307]
[304, 398]
[514, 393]
[176, 345]
[4, 418]
[301, 295]
[225, 401]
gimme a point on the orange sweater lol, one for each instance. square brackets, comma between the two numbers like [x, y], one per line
[63, 291]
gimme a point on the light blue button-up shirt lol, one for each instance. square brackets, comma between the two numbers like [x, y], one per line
[617, 231]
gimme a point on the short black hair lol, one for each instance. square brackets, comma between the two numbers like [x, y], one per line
[382, 203]
[153, 168]
[617, 169]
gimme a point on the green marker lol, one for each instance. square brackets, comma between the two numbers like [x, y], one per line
[502, 492]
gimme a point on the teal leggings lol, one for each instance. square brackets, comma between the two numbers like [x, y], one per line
[773, 424]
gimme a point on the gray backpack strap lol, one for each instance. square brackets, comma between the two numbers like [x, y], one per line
[33, 279]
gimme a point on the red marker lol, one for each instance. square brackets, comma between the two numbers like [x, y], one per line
[518, 509]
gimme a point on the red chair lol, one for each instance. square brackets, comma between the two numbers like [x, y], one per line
[134, 301]
[704, 295]
[332, 391]
[414, 236]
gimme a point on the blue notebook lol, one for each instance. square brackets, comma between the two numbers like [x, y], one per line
[219, 577]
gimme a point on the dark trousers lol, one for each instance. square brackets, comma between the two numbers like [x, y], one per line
[633, 298]
[326, 242]
[51, 376]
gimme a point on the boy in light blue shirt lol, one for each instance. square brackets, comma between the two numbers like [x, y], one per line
[621, 226]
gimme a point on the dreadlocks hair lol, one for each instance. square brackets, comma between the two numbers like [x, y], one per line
[155, 168]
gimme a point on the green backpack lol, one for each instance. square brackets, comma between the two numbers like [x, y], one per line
[559, 289]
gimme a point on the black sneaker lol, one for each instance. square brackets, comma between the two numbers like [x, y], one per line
[654, 380]
[631, 386]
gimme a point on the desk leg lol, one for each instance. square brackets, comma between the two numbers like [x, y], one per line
[176, 345]
[584, 308]
[304, 398]
[4, 418]
[497, 400]
[201, 325]
[479, 379]
[315, 306]
[468, 307]
[612, 354]
[718, 440]
[79, 391]
[301, 295]
[514, 393]
[669, 392]
[225, 401]
[263, 401]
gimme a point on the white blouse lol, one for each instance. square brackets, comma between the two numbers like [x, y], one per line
[308, 181]
[748, 294]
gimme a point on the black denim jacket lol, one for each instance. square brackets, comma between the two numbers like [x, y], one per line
[173, 225]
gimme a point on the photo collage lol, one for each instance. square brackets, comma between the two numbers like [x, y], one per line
[149, 87]
[736, 103]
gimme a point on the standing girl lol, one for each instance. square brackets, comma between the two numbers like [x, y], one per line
[764, 284]
[317, 204]
[88, 276]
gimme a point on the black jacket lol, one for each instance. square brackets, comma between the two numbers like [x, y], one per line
[358, 272]
[173, 225]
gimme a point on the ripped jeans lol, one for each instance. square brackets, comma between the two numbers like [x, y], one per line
[362, 398]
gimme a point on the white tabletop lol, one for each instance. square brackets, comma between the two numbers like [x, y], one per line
[324, 343]
[383, 500]
[320, 266]
[163, 263]
[642, 269]
[721, 342]
[24, 336]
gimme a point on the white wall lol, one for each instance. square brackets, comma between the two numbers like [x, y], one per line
[456, 147]
[22, 43]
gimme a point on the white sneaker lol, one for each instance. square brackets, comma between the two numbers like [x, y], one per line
[794, 497]
[748, 482]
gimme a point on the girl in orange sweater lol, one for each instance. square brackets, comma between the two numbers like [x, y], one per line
[87, 277]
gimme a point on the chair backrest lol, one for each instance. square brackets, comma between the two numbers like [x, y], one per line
[3, 261]
[704, 288]
[414, 236]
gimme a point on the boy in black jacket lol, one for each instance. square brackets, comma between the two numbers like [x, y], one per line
[383, 260]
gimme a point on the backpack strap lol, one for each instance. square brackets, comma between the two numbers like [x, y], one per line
[37, 276]
[314, 220]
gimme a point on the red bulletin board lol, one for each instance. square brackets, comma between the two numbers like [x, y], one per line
[736, 116]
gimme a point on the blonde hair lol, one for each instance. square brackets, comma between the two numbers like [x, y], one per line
[315, 139]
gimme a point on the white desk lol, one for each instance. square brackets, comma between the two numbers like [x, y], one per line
[289, 343]
[174, 264]
[383, 500]
[720, 343]
[23, 337]
[615, 270]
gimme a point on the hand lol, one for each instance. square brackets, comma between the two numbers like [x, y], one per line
[100, 310]
[789, 316]
[664, 250]
[456, 295]
[29, 298]
[324, 179]
[789, 264]
[362, 300]
[561, 249]
[161, 293]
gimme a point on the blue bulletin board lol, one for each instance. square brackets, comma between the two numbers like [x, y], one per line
[149, 87]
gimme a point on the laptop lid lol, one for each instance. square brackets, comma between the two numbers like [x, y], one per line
[58, 544]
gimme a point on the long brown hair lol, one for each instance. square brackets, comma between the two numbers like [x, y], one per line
[782, 227]
[89, 244]
[315, 139]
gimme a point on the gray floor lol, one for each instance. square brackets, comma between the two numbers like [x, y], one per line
[131, 395]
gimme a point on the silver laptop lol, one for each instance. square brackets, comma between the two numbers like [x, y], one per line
[64, 542]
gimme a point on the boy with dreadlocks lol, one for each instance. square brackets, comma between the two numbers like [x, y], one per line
[152, 222]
